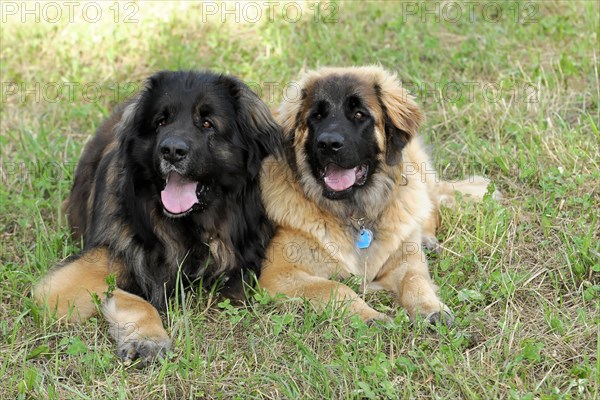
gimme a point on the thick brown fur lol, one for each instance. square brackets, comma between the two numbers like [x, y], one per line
[208, 133]
[314, 245]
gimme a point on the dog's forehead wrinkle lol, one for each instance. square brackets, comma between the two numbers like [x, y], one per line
[339, 90]
[213, 103]
[207, 108]
[322, 97]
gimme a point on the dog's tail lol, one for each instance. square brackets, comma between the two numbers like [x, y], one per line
[472, 188]
[443, 193]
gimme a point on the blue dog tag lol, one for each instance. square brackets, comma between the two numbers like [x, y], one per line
[364, 239]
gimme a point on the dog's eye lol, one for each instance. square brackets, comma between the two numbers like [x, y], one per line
[318, 116]
[359, 116]
[162, 121]
[207, 125]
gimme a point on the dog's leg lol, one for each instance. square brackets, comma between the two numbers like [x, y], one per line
[407, 276]
[134, 323]
[430, 226]
[293, 281]
[136, 327]
[434, 187]
[67, 289]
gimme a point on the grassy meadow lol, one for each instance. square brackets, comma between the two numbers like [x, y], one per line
[510, 89]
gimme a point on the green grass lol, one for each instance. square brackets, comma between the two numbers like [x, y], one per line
[522, 275]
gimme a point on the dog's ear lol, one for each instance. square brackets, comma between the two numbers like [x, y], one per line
[261, 136]
[401, 116]
[129, 126]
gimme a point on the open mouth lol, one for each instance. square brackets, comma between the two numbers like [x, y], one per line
[338, 179]
[180, 194]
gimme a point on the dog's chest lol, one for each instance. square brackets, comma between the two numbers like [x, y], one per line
[368, 261]
[393, 233]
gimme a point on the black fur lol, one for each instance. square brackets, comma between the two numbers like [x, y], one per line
[115, 201]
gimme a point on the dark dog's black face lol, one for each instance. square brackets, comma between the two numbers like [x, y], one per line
[198, 136]
[341, 145]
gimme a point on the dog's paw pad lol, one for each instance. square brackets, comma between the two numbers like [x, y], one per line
[441, 318]
[142, 351]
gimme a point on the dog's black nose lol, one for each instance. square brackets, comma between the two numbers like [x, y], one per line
[330, 142]
[174, 149]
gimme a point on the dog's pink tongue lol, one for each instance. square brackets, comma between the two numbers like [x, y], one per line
[338, 179]
[179, 195]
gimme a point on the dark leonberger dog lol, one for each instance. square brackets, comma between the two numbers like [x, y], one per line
[166, 192]
[355, 195]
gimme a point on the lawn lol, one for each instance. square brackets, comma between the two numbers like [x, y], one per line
[510, 90]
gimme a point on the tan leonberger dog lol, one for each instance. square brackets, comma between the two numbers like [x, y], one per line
[356, 194]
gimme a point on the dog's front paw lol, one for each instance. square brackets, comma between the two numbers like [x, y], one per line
[380, 319]
[431, 243]
[142, 352]
[443, 317]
